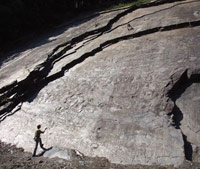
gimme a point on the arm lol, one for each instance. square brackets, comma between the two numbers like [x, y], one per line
[44, 130]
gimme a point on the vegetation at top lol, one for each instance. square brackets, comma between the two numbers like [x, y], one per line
[126, 4]
[21, 18]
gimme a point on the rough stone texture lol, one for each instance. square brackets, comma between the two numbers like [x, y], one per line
[113, 103]
[64, 153]
[189, 105]
[21, 64]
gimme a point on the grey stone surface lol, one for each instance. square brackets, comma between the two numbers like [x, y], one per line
[114, 102]
[189, 105]
[62, 152]
[24, 62]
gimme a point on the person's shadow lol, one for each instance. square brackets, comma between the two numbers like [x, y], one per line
[43, 152]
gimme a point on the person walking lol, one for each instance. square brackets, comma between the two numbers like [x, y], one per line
[38, 139]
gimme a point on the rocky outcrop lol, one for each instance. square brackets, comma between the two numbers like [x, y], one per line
[185, 95]
[112, 91]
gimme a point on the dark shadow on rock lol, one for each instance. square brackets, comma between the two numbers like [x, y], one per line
[38, 39]
[177, 117]
[34, 92]
[43, 152]
[177, 90]
[187, 148]
[182, 84]
[28, 88]
[179, 87]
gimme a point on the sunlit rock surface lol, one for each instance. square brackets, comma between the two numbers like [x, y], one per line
[189, 105]
[114, 103]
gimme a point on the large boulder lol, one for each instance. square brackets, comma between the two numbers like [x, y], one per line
[110, 94]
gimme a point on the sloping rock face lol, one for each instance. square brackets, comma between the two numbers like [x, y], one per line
[123, 85]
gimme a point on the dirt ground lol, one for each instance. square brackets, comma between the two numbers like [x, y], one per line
[12, 157]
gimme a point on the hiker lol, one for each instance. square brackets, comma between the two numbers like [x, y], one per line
[38, 139]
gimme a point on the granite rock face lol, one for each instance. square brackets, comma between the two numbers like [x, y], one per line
[188, 104]
[126, 88]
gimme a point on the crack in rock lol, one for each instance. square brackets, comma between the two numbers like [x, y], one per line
[144, 145]
[37, 79]
[101, 30]
[129, 27]
[178, 86]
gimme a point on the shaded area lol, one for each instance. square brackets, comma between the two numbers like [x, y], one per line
[43, 152]
[187, 148]
[80, 62]
[37, 79]
[174, 93]
[29, 41]
[177, 117]
[179, 87]
[20, 18]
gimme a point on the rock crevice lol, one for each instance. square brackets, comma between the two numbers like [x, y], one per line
[37, 79]
[102, 91]
[180, 85]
